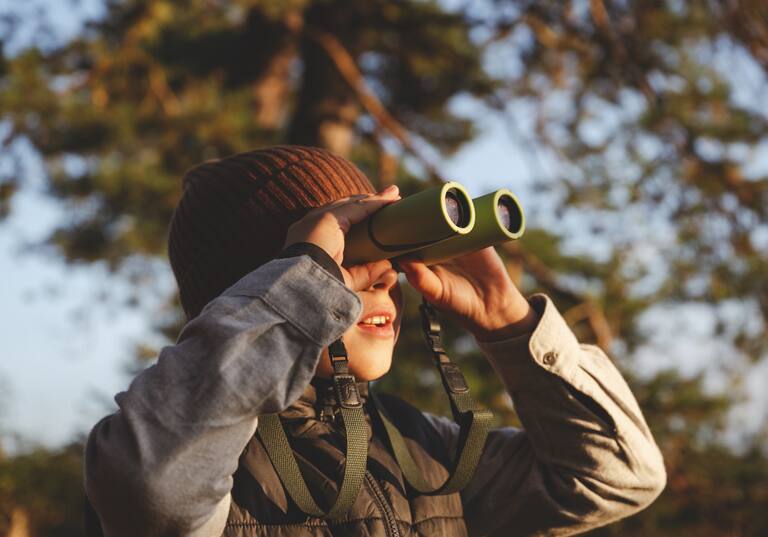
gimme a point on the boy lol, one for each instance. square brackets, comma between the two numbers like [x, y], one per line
[256, 244]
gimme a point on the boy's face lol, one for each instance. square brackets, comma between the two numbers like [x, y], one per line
[371, 341]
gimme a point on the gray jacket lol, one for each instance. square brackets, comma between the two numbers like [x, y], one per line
[163, 463]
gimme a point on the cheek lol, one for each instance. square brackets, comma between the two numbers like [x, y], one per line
[396, 294]
[368, 360]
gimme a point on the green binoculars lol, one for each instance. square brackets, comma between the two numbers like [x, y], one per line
[435, 225]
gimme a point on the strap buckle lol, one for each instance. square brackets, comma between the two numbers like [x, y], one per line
[430, 324]
[345, 385]
[339, 359]
[453, 378]
[272, 435]
[346, 391]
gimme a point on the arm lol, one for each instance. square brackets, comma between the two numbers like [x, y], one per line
[586, 456]
[162, 464]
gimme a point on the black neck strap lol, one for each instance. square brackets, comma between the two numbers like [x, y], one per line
[272, 435]
[474, 422]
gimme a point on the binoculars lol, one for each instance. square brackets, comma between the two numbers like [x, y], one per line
[435, 225]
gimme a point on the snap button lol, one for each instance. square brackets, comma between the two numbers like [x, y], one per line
[550, 358]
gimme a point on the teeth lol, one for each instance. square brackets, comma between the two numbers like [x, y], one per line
[377, 319]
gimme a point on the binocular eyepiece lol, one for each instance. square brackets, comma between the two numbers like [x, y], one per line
[457, 206]
[436, 225]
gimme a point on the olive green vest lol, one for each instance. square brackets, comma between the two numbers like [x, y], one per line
[386, 506]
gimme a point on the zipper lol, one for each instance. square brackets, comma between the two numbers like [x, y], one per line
[390, 524]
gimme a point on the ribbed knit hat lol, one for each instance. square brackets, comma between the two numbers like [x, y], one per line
[234, 213]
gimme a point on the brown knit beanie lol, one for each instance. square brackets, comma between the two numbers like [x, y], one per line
[234, 213]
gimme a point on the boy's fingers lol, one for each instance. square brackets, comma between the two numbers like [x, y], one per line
[350, 199]
[363, 210]
[423, 279]
[334, 206]
[363, 199]
[343, 213]
[363, 276]
[358, 210]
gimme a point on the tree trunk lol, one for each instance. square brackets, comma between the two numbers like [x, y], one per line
[19, 524]
[326, 109]
[271, 91]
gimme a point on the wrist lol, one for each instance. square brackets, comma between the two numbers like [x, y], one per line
[317, 254]
[517, 321]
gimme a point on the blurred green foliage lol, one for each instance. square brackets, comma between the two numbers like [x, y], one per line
[47, 487]
[643, 120]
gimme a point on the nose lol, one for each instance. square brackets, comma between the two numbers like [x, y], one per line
[383, 276]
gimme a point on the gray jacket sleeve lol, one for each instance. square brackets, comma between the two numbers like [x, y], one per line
[162, 464]
[585, 457]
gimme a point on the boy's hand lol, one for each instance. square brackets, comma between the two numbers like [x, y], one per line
[476, 290]
[326, 226]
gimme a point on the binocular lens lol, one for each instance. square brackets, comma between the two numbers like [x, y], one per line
[509, 214]
[456, 207]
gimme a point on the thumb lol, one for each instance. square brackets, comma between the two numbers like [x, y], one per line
[423, 280]
[360, 209]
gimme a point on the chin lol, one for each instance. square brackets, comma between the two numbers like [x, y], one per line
[369, 361]
[370, 371]
[365, 366]
[370, 357]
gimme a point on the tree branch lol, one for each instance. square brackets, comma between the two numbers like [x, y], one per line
[348, 69]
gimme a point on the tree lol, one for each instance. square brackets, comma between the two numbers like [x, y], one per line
[41, 493]
[641, 131]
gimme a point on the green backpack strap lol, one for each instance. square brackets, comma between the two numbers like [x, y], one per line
[474, 422]
[272, 435]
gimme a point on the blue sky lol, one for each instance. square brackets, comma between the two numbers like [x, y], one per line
[62, 350]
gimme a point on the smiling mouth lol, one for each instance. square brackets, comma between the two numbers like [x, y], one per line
[377, 325]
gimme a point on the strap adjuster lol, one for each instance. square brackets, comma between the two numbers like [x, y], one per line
[337, 349]
[453, 378]
[346, 391]
[337, 352]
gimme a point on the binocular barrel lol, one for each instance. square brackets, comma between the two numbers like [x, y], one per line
[436, 225]
[420, 220]
[499, 219]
